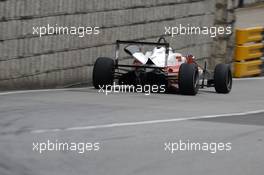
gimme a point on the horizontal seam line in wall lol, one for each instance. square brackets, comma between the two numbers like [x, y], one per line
[200, 59]
[175, 50]
[49, 52]
[46, 72]
[106, 10]
[57, 70]
[84, 65]
[100, 45]
[29, 36]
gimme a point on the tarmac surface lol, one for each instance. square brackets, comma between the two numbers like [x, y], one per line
[136, 132]
[132, 131]
[250, 17]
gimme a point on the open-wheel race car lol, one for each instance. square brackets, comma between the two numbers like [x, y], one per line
[160, 66]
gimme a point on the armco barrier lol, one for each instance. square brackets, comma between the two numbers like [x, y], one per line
[248, 52]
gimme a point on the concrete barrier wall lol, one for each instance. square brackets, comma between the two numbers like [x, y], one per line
[28, 61]
[250, 2]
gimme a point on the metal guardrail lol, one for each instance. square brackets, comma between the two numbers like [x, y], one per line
[249, 52]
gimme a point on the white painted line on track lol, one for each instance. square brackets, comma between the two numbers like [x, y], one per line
[114, 125]
[39, 90]
[65, 89]
[249, 78]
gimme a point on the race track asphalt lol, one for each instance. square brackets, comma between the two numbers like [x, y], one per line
[132, 130]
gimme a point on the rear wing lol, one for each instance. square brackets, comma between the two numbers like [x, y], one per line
[159, 43]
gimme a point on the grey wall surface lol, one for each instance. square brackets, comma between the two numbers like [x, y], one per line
[28, 61]
[250, 2]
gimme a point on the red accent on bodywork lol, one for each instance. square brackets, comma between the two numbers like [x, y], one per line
[190, 59]
[173, 69]
[137, 63]
[179, 58]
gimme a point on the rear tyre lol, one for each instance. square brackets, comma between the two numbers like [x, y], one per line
[223, 78]
[188, 79]
[103, 72]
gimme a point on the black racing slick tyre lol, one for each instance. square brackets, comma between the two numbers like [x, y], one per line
[223, 78]
[188, 79]
[103, 72]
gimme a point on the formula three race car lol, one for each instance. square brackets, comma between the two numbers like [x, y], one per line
[160, 66]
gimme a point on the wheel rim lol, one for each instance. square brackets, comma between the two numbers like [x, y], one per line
[195, 80]
[229, 81]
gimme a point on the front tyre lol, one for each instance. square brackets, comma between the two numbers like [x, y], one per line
[103, 72]
[223, 78]
[188, 79]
